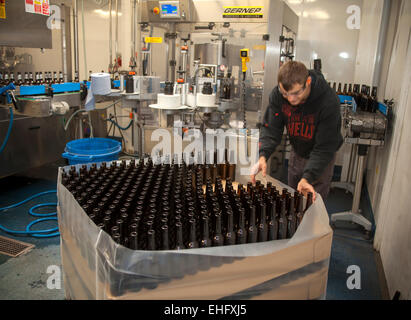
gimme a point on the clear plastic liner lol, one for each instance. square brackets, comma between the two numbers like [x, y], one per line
[95, 267]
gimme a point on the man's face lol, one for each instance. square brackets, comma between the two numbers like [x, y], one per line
[298, 93]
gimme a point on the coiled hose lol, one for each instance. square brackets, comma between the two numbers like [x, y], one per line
[3, 145]
[45, 233]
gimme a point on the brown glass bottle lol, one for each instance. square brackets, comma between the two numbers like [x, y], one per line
[218, 239]
[349, 92]
[356, 94]
[272, 221]
[292, 219]
[205, 234]
[339, 89]
[262, 225]
[133, 241]
[373, 100]
[241, 234]
[282, 222]
[345, 89]
[251, 232]
[231, 168]
[151, 240]
[31, 80]
[192, 242]
[116, 237]
[164, 238]
[179, 236]
[300, 209]
[229, 237]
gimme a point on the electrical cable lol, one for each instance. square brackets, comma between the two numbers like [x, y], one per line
[8, 131]
[121, 133]
[45, 233]
[120, 127]
[109, 129]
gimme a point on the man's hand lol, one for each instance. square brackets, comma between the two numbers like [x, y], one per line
[261, 165]
[304, 187]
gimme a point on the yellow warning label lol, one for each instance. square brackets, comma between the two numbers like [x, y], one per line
[259, 47]
[2, 9]
[153, 40]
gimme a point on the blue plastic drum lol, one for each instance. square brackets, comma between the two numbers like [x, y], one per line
[91, 150]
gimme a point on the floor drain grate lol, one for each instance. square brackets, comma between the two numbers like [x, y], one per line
[13, 247]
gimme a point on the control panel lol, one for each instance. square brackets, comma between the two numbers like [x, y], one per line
[167, 11]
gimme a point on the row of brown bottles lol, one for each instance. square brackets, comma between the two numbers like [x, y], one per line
[38, 79]
[365, 98]
[150, 206]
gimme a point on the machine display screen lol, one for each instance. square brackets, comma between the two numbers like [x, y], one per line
[169, 10]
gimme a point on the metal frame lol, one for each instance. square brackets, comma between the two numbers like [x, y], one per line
[354, 215]
[272, 53]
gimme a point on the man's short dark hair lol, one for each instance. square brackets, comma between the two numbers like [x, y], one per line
[291, 73]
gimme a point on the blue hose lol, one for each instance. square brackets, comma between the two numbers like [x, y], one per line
[8, 131]
[46, 233]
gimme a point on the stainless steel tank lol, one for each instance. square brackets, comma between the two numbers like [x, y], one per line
[218, 54]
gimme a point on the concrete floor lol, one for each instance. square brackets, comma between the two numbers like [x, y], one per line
[26, 277]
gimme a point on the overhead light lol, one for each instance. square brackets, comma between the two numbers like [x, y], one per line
[106, 13]
[320, 14]
[315, 56]
[300, 1]
[344, 55]
[317, 14]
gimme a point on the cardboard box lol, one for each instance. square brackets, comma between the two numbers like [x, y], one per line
[95, 267]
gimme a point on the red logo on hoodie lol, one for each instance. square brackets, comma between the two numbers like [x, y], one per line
[299, 125]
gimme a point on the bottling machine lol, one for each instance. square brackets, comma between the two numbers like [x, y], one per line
[206, 70]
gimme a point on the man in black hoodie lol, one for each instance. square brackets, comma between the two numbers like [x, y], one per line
[309, 108]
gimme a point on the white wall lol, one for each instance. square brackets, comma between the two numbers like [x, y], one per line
[371, 14]
[392, 201]
[323, 34]
[392, 69]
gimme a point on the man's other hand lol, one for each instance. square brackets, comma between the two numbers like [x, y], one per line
[261, 165]
[304, 187]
